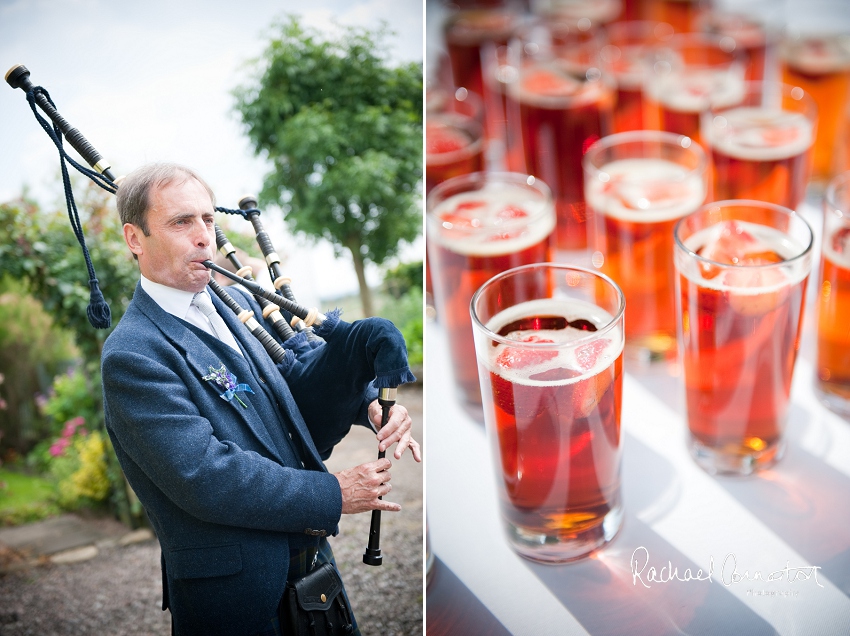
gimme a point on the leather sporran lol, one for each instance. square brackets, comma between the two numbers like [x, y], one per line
[314, 605]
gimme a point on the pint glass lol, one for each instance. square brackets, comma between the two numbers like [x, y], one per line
[691, 73]
[479, 225]
[752, 35]
[761, 147]
[820, 65]
[469, 31]
[626, 56]
[454, 136]
[565, 102]
[549, 343]
[833, 363]
[742, 272]
[637, 186]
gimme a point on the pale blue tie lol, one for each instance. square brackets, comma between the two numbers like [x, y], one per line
[202, 301]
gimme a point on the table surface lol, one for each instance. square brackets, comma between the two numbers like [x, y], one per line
[777, 544]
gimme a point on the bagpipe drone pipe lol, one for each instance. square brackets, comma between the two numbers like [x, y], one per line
[330, 365]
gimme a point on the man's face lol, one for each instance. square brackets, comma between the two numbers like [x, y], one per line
[182, 236]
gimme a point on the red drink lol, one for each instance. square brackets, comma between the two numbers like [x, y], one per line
[478, 226]
[833, 361]
[750, 36]
[635, 209]
[467, 32]
[761, 153]
[563, 109]
[741, 304]
[626, 57]
[691, 73]
[595, 12]
[821, 67]
[681, 14]
[551, 378]
[453, 146]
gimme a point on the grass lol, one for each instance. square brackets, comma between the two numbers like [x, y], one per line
[25, 498]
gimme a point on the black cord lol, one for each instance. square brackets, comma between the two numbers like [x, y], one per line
[97, 311]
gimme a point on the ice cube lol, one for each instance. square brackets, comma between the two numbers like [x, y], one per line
[732, 244]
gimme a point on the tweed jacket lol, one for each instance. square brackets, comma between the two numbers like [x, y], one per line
[224, 495]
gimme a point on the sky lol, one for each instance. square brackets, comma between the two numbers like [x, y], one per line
[152, 81]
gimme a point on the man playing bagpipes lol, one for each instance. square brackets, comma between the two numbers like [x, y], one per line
[208, 432]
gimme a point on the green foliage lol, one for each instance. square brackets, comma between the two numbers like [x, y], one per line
[32, 351]
[343, 129]
[413, 333]
[406, 314]
[76, 395]
[80, 472]
[77, 455]
[40, 249]
[25, 498]
[401, 278]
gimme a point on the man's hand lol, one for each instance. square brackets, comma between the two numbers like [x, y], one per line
[396, 430]
[362, 485]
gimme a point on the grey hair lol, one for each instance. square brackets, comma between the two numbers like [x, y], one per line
[134, 191]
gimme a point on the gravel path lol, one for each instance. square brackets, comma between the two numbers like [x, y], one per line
[118, 592]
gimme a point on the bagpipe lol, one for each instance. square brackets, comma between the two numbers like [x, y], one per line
[329, 364]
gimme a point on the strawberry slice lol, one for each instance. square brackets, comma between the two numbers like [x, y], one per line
[779, 136]
[549, 83]
[841, 240]
[504, 236]
[461, 217]
[733, 245]
[516, 358]
[511, 212]
[440, 139]
[588, 354]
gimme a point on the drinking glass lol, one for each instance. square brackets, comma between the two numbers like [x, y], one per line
[597, 12]
[469, 30]
[565, 102]
[753, 35]
[637, 186]
[690, 73]
[681, 14]
[627, 58]
[479, 225]
[820, 65]
[742, 273]
[833, 362]
[761, 147]
[454, 136]
[549, 344]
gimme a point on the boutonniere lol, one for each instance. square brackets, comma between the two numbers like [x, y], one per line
[227, 381]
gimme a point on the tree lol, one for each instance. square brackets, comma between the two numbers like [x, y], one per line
[343, 129]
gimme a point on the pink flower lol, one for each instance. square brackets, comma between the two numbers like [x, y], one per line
[59, 446]
[72, 425]
[3, 404]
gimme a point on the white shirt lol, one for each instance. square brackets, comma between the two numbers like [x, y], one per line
[179, 303]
